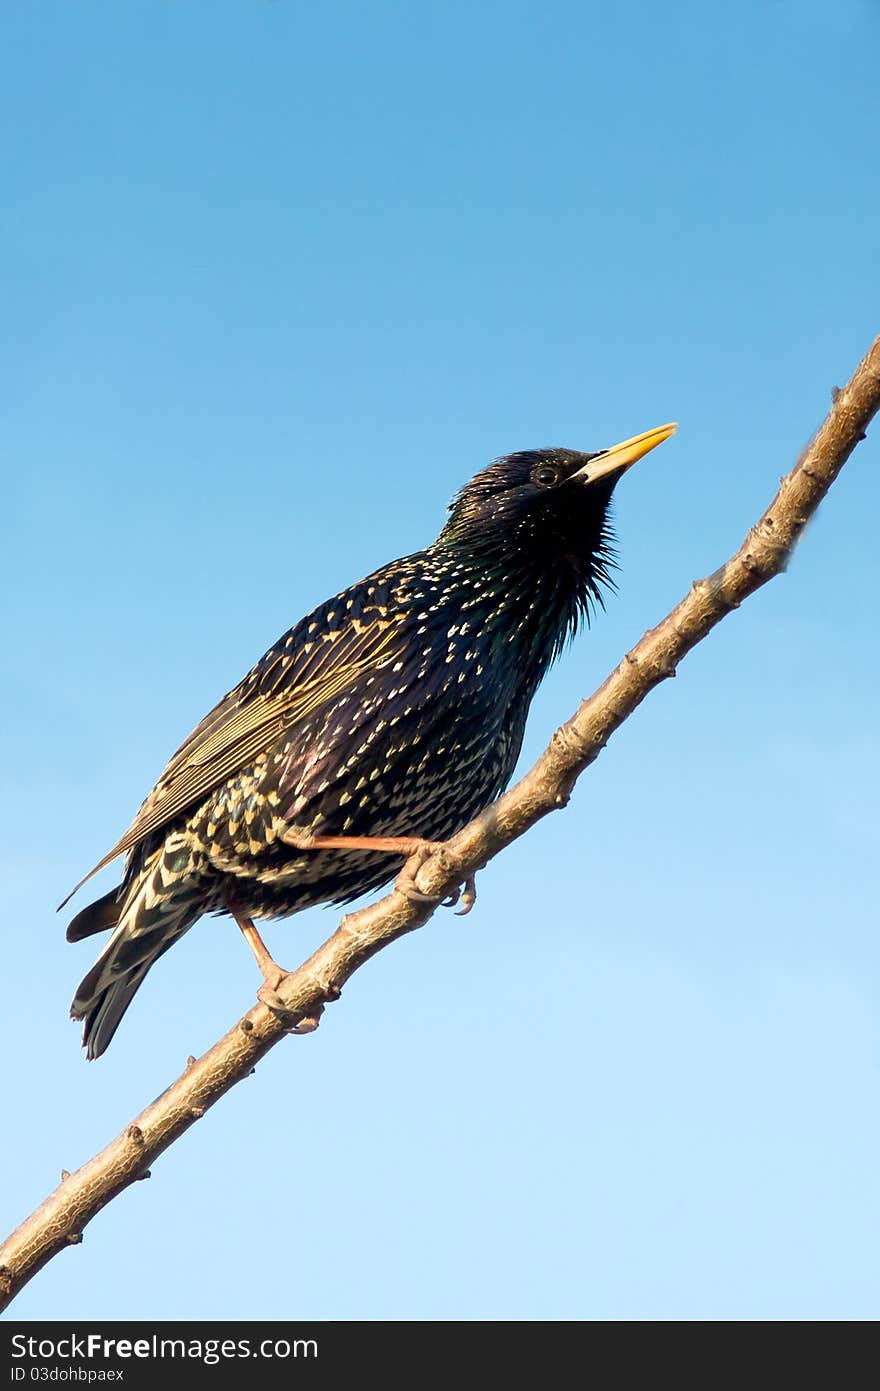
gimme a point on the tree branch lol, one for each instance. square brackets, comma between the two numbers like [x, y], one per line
[60, 1220]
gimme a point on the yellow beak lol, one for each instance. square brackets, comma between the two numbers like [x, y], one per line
[624, 455]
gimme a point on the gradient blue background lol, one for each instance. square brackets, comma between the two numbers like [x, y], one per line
[277, 278]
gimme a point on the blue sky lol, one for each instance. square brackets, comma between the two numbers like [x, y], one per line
[278, 279]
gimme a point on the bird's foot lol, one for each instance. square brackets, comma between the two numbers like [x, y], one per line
[405, 883]
[295, 1020]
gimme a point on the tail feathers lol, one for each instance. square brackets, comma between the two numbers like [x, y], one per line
[104, 1008]
[99, 916]
[107, 990]
[165, 900]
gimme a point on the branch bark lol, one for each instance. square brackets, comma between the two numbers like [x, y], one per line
[60, 1220]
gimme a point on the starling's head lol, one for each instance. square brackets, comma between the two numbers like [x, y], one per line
[543, 514]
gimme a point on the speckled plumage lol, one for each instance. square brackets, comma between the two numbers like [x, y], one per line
[396, 708]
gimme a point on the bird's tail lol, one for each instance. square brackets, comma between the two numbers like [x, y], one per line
[164, 899]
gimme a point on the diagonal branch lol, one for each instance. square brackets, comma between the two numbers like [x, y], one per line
[60, 1220]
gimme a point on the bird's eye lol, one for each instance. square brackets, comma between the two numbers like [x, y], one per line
[545, 475]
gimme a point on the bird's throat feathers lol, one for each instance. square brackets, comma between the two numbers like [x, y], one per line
[536, 578]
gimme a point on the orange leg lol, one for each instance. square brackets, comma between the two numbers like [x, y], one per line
[272, 974]
[416, 849]
[390, 845]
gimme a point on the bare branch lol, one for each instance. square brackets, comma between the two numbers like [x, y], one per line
[60, 1220]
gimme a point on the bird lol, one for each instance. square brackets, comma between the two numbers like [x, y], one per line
[370, 732]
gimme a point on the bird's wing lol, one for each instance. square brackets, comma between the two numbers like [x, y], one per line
[310, 666]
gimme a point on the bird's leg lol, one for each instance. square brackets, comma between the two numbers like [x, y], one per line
[390, 845]
[272, 974]
[269, 968]
[417, 851]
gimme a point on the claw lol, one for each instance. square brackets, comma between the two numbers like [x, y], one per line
[308, 1025]
[465, 894]
[468, 895]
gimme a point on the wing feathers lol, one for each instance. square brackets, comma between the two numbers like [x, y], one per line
[304, 676]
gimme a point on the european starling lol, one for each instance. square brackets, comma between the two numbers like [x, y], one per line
[385, 720]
